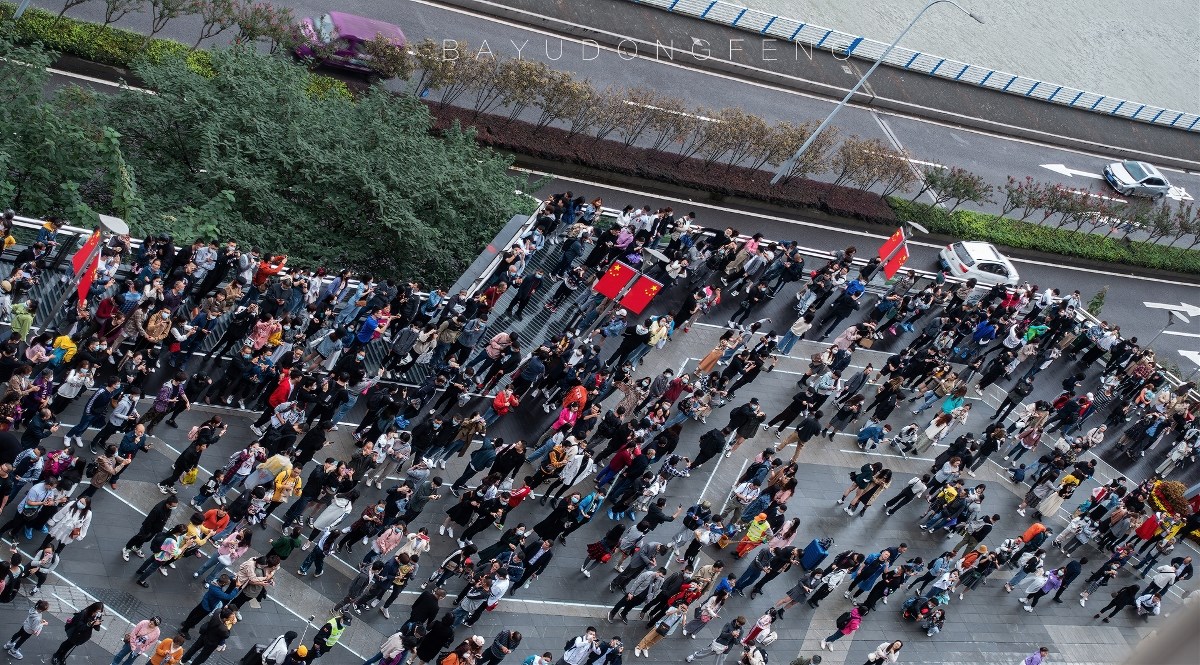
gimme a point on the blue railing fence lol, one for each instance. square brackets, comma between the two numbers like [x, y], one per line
[818, 37]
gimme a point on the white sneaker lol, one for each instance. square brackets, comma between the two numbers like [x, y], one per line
[442, 529]
[125, 554]
[385, 613]
[258, 431]
[442, 464]
[825, 646]
[450, 531]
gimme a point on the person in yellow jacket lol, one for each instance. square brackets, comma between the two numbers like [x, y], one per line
[756, 532]
[68, 346]
[287, 485]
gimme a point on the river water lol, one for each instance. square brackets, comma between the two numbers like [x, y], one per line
[1143, 51]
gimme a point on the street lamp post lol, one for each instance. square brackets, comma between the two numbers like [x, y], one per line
[787, 166]
[1171, 316]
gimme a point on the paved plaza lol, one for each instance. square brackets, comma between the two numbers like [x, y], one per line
[988, 627]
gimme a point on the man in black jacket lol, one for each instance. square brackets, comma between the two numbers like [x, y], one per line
[320, 479]
[537, 556]
[711, 445]
[239, 327]
[424, 609]
[153, 524]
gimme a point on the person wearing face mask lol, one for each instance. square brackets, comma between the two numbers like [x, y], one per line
[526, 288]
[70, 524]
[169, 395]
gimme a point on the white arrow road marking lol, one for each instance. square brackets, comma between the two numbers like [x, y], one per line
[1190, 310]
[1062, 169]
[1179, 194]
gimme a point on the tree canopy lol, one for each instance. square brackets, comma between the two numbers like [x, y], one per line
[260, 150]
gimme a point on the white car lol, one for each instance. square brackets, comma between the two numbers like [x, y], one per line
[980, 260]
[1137, 179]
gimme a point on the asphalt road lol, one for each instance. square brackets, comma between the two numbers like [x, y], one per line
[992, 156]
[1123, 305]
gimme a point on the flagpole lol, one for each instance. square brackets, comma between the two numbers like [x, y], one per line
[108, 225]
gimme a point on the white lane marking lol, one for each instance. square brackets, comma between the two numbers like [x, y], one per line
[854, 232]
[671, 111]
[767, 86]
[1180, 333]
[93, 79]
[269, 597]
[910, 160]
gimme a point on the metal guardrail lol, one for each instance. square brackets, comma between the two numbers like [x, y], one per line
[817, 37]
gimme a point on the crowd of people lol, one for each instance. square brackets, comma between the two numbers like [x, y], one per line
[166, 329]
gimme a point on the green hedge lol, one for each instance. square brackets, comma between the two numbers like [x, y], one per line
[102, 44]
[970, 225]
[120, 48]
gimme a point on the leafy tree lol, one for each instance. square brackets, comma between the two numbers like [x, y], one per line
[1185, 221]
[967, 187]
[165, 11]
[641, 112]
[1162, 222]
[559, 98]
[896, 172]
[263, 20]
[49, 159]
[71, 4]
[522, 81]
[788, 138]
[741, 135]
[328, 179]
[216, 17]
[854, 159]
[581, 113]
[1096, 304]
[667, 122]
[115, 10]
[1016, 194]
[389, 60]
[955, 184]
[695, 132]
[609, 106]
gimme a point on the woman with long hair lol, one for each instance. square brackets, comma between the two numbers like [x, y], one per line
[866, 496]
[79, 628]
[69, 524]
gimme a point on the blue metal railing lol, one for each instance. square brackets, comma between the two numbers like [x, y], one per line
[789, 29]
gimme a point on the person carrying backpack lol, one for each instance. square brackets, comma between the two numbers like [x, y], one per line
[846, 624]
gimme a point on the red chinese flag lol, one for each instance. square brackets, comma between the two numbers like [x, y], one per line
[893, 266]
[641, 294]
[85, 251]
[86, 279]
[615, 279]
[891, 244]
